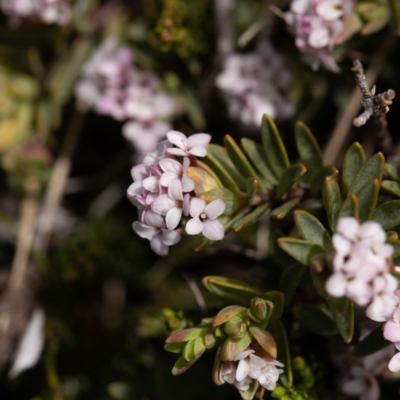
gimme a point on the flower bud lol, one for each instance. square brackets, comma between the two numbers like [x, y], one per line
[203, 181]
[260, 310]
[235, 327]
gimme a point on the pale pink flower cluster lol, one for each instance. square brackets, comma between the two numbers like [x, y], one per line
[361, 376]
[163, 193]
[256, 83]
[247, 368]
[114, 86]
[44, 11]
[362, 267]
[316, 24]
[391, 332]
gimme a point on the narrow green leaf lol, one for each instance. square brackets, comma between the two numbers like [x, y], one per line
[194, 349]
[392, 187]
[332, 200]
[393, 173]
[181, 366]
[251, 187]
[257, 156]
[371, 169]
[224, 194]
[353, 161]
[370, 344]
[222, 173]
[186, 335]
[318, 182]
[367, 199]
[251, 218]
[238, 159]
[284, 209]
[349, 207]
[289, 178]
[265, 340]
[311, 229]
[226, 314]
[388, 214]
[344, 323]
[175, 347]
[278, 331]
[277, 157]
[314, 320]
[309, 151]
[290, 280]
[230, 289]
[300, 250]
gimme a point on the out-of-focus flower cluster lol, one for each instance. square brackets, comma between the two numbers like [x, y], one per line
[44, 11]
[256, 83]
[164, 192]
[316, 24]
[361, 376]
[248, 369]
[362, 267]
[114, 86]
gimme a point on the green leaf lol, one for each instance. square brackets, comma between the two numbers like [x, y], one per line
[370, 344]
[322, 174]
[257, 156]
[392, 187]
[388, 214]
[395, 14]
[251, 187]
[367, 199]
[278, 331]
[284, 209]
[232, 346]
[218, 160]
[238, 159]
[311, 229]
[226, 314]
[230, 289]
[300, 250]
[332, 200]
[344, 323]
[308, 150]
[314, 320]
[290, 280]
[371, 169]
[278, 300]
[393, 173]
[194, 349]
[289, 177]
[353, 161]
[251, 218]
[264, 339]
[224, 194]
[349, 207]
[277, 157]
[396, 246]
[186, 335]
[375, 14]
[175, 347]
[181, 366]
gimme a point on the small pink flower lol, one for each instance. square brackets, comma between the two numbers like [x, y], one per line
[394, 364]
[175, 170]
[154, 229]
[195, 145]
[205, 219]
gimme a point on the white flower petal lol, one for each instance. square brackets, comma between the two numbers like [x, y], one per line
[213, 230]
[194, 226]
[187, 184]
[215, 209]
[199, 139]
[197, 206]
[171, 166]
[144, 231]
[394, 364]
[153, 219]
[173, 217]
[158, 246]
[336, 285]
[242, 371]
[178, 139]
[170, 237]
[175, 190]
[162, 204]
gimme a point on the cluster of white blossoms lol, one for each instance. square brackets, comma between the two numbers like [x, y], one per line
[391, 332]
[163, 193]
[362, 267]
[256, 83]
[247, 368]
[316, 24]
[44, 11]
[114, 86]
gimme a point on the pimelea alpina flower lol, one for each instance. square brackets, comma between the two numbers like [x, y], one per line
[113, 85]
[44, 11]
[254, 84]
[163, 193]
[361, 267]
[316, 25]
[249, 368]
